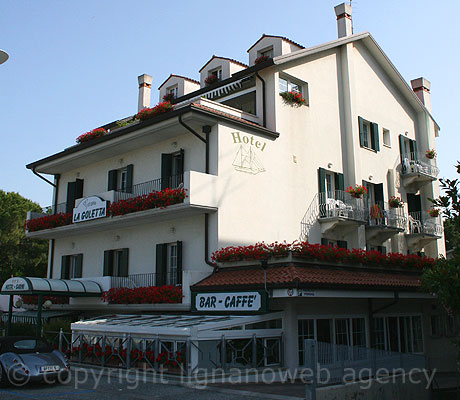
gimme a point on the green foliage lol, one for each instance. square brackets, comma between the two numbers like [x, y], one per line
[19, 256]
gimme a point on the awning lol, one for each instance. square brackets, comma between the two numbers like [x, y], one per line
[51, 287]
[30, 316]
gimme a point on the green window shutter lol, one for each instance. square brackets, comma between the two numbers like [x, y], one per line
[339, 182]
[108, 262]
[342, 244]
[70, 201]
[180, 162]
[78, 188]
[129, 178]
[401, 148]
[361, 131]
[65, 266]
[375, 136]
[166, 164]
[112, 180]
[321, 180]
[78, 273]
[378, 193]
[179, 263]
[161, 261]
[414, 203]
[124, 262]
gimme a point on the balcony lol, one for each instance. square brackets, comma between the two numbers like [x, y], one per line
[422, 229]
[417, 170]
[337, 210]
[384, 221]
[200, 189]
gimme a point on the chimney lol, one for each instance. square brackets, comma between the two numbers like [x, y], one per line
[344, 22]
[145, 87]
[421, 88]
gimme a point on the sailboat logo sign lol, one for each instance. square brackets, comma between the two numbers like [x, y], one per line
[246, 159]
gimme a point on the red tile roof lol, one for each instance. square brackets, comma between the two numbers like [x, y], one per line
[178, 76]
[224, 58]
[275, 36]
[283, 276]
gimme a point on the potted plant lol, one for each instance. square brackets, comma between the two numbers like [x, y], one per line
[395, 202]
[434, 212]
[357, 192]
[211, 79]
[98, 132]
[261, 59]
[160, 108]
[293, 98]
[430, 154]
[169, 97]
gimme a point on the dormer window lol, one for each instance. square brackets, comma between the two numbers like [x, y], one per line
[268, 52]
[173, 90]
[217, 73]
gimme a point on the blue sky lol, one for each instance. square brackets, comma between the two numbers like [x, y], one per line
[74, 64]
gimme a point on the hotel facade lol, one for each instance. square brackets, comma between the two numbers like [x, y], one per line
[259, 166]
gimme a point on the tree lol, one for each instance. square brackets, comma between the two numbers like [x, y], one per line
[19, 255]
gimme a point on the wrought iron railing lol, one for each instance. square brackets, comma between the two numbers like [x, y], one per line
[381, 214]
[146, 188]
[418, 163]
[338, 203]
[145, 280]
[418, 222]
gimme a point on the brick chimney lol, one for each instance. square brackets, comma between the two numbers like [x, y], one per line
[421, 88]
[145, 88]
[344, 22]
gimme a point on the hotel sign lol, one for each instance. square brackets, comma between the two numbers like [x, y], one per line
[90, 208]
[15, 284]
[229, 301]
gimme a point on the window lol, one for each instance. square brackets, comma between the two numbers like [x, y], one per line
[74, 191]
[71, 266]
[172, 169]
[121, 179]
[368, 134]
[116, 262]
[245, 102]
[287, 85]
[331, 242]
[305, 331]
[386, 137]
[216, 72]
[173, 90]
[266, 52]
[443, 325]
[169, 263]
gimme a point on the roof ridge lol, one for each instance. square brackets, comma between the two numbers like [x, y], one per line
[178, 76]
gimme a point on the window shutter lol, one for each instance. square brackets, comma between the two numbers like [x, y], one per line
[65, 265]
[112, 181]
[108, 263]
[124, 262]
[413, 149]
[339, 182]
[382, 249]
[179, 263]
[78, 273]
[129, 178]
[180, 162]
[324, 241]
[375, 136]
[378, 193]
[161, 259]
[78, 188]
[361, 131]
[414, 203]
[401, 147]
[321, 180]
[342, 244]
[70, 201]
[166, 161]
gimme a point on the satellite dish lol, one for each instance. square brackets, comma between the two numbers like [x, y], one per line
[3, 56]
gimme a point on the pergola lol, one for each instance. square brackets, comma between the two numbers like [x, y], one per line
[46, 287]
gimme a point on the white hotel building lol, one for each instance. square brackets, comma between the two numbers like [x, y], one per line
[255, 169]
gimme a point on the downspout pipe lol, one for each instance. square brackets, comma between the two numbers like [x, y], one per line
[264, 117]
[42, 177]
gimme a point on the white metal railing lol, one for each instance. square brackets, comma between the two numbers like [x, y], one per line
[418, 222]
[144, 280]
[381, 214]
[418, 163]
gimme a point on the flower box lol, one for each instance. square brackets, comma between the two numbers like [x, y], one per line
[169, 97]
[293, 98]
[395, 202]
[357, 192]
[211, 79]
[430, 154]
[261, 59]
[167, 294]
[434, 212]
[160, 108]
[48, 222]
[95, 133]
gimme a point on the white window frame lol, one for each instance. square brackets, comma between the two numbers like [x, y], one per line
[173, 90]
[386, 137]
[291, 83]
[268, 52]
[122, 179]
[72, 265]
[171, 267]
[216, 71]
[367, 142]
[117, 254]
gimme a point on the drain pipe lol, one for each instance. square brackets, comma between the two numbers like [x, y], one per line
[264, 118]
[206, 131]
[42, 177]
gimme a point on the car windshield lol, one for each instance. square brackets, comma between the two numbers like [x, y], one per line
[30, 345]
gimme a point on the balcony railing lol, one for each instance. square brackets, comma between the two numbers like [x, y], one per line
[418, 223]
[381, 214]
[340, 204]
[145, 280]
[56, 209]
[419, 164]
[146, 188]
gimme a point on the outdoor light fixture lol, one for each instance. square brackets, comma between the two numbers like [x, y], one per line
[329, 165]
[47, 304]
[371, 177]
[19, 303]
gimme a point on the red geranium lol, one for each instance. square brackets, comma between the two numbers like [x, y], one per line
[144, 295]
[48, 222]
[211, 79]
[261, 59]
[91, 135]
[160, 108]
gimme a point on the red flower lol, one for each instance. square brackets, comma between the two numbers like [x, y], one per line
[48, 222]
[160, 108]
[211, 79]
[261, 59]
[91, 135]
[144, 295]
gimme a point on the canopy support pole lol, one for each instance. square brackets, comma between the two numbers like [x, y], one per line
[10, 315]
[39, 315]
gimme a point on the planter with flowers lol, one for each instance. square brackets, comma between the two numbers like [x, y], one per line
[171, 361]
[48, 222]
[144, 295]
[434, 212]
[430, 154]
[396, 202]
[261, 59]
[293, 98]
[169, 97]
[357, 192]
[211, 79]
[160, 108]
[95, 133]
